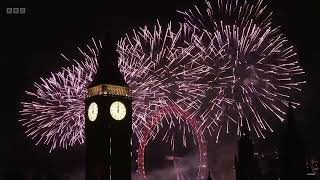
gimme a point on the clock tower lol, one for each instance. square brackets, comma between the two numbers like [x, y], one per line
[108, 120]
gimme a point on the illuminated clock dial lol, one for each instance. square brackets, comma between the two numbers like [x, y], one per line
[118, 110]
[93, 111]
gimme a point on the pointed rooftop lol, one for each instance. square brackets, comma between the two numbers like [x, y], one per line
[108, 71]
[209, 176]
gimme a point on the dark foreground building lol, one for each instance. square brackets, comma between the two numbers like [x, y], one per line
[289, 163]
[245, 161]
[292, 153]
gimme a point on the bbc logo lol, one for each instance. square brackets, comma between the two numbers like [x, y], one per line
[16, 11]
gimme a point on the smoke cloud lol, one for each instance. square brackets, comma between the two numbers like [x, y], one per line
[186, 169]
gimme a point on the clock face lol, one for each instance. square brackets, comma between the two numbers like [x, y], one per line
[93, 111]
[118, 110]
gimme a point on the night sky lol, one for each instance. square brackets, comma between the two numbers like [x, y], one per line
[31, 45]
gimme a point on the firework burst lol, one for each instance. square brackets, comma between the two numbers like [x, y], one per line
[156, 65]
[226, 65]
[161, 70]
[158, 68]
[55, 113]
[253, 70]
[233, 12]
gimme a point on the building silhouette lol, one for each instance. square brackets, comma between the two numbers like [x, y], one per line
[245, 161]
[292, 153]
[288, 161]
[209, 176]
[268, 163]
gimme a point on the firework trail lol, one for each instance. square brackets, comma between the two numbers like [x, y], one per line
[226, 65]
[155, 64]
[54, 115]
[232, 12]
[253, 71]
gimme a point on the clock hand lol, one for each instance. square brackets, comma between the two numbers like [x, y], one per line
[118, 108]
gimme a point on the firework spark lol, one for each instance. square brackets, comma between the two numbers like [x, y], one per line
[226, 64]
[232, 12]
[158, 68]
[253, 70]
[55, 113]
[156, 65]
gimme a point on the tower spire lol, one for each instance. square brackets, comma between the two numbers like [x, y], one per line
[245, 159]
[209, 176]
[108, 71]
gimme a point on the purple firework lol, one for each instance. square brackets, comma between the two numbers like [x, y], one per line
[232, 12]
[254, 72]
[158, 68]
[156, 65]
[55, 113]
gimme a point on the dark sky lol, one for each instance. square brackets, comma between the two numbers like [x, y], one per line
[31, 45]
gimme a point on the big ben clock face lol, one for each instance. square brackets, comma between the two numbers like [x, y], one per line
[93, 111]
[118, 110]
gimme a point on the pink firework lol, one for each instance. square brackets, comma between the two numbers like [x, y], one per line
[232, 12]
[254, 72]
[158, 68]
[55, 113]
